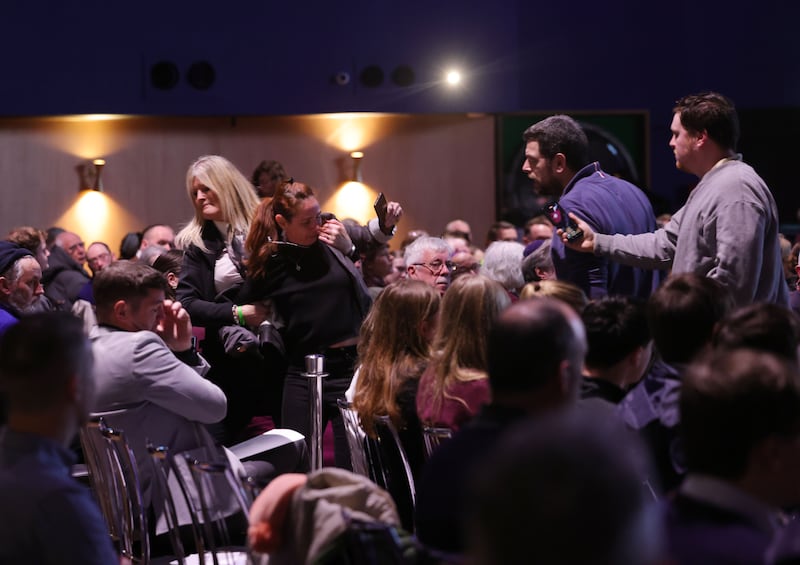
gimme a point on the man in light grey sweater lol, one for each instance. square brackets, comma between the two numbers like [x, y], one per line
[728, 228]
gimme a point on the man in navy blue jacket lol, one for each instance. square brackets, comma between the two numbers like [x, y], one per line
[557, 160]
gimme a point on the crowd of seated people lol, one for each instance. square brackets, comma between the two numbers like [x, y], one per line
[608, 429]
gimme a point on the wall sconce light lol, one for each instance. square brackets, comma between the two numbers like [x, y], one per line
[90, 173]
[357, 156]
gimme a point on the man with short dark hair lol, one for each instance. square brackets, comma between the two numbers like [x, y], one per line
[728, 228]
[20, 282]
[501, 231]
[150, 380]
[557, 160]
[740, 413]
[535, 355]
[620, 347]
[681, 315]
[46, 375]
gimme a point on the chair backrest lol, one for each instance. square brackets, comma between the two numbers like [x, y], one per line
[390, 468]
[355, 438]
[434, 437]
[160, 459]
[210, 479]
[115, 480]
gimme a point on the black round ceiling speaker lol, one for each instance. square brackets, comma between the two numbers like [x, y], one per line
[164, 75]
[403, 75]
[201, 75]
[372, 76]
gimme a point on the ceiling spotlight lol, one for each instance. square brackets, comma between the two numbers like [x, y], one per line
[453, 77]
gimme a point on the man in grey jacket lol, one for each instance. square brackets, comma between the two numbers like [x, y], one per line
[150, 381]
[728, 228]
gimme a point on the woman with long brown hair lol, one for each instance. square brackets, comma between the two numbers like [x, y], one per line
[455, 384]
[393, 352]
[318, 301]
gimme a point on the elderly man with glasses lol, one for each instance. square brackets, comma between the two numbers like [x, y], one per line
[428, 260]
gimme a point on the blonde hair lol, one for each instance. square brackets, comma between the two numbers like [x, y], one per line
[564, 291]
[237, 199]
[392, 349]
[469, 308]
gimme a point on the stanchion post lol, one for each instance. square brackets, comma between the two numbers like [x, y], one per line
[315, 371]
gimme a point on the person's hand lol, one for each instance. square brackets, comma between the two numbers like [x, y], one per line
[334, 234]
[176, 327]
[393, 214]
[254, 314]
[584, 244]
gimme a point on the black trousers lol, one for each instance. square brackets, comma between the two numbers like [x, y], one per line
[296, 410]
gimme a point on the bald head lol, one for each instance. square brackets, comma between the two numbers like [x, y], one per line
[536, 345]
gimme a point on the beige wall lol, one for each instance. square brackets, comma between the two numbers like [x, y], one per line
[437, 167]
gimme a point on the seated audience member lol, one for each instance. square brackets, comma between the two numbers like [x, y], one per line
[392, 354]
[169, 264]
[740, 414]
[147, 369]
[32, 239]
[46, 375]
[535, 355]
[620, 348]
[764, 326]
[502, 262]
[787, 260]
[458, 228]
[129, 246]
[537, 264]
[157, 239]
[501, 231]
[99, 256]
[564, 489]
[51, 234]
[376, 265]
[681, 316]
[537, 228]
[20, 283]
[455, 385]
[65, 278]
[464, 263]
[267, 177]
[398, 271]
[564, 291]
[412, 236]
[35, 241]
[428, 260]
[160, 236]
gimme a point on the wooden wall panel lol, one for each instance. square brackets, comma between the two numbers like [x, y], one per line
[438, 167]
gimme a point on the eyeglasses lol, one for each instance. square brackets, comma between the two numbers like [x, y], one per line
[436, 267]
[101, 257]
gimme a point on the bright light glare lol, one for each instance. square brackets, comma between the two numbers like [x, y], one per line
[453, 77]
[352, 200]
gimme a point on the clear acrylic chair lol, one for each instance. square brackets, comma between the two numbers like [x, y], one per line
[390, 468]
[214, 482]
[355, 438]
[433, 437]
[115, 480]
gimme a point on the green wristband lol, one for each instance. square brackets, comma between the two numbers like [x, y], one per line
[240, 315]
